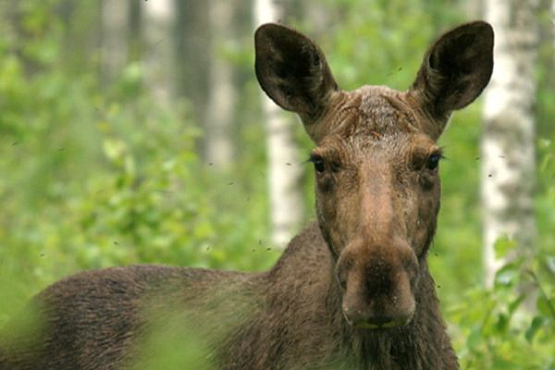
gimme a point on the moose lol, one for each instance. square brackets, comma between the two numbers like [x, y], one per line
[351, 291]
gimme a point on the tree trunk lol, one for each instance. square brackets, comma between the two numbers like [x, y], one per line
[193, 54]
[219, 146]
[508, 169]
[284, 170]
[473, 8]
[319, 16]
[158, 27]
[114, 18]
[134, 38]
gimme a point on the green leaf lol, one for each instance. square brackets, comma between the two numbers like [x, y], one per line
[543, 306]
[507, 275]
[515, 303]
[537, 323]
[502, 323]
[503, 246]
[474, 338]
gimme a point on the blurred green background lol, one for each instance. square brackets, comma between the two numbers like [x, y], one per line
[96, 171]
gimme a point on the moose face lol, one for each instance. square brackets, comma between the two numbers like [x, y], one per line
[377, 197]
[376, 159]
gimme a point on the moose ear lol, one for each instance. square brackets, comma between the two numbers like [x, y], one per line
[292, 70]
[455, 70]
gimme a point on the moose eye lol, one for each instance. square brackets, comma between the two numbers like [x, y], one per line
[318, 163]
[433, 161]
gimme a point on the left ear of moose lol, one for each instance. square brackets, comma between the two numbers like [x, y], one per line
[293, 71]
[455, 70]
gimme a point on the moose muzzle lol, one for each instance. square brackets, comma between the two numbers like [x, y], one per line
[378, 283]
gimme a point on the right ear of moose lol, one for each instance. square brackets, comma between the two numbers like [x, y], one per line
[455, 70]
[293, 71]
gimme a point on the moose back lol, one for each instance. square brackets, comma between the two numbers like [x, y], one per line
[351, 291]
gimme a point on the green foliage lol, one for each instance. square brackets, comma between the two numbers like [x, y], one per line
[174, 347]
[507, 327]
[107, 177]
[382, 42]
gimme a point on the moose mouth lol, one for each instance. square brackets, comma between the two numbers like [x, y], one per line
[378, 326]
[379, 322]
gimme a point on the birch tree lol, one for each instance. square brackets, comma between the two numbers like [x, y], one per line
[159, 21]
[219, 147]
[508, 161]
[284, 170]
[473, 8]
[114, 22]
[193, 52]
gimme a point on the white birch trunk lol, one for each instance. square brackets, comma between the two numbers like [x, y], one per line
[159, 56]
[219, 148]
[114, 18]
[474, 8]
[284, 170]
[508, 163]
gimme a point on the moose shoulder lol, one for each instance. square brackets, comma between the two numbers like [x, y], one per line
[352, 291]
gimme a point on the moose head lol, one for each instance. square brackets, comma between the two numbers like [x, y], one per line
[376, 159]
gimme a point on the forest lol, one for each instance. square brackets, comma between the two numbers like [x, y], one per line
[134, 131]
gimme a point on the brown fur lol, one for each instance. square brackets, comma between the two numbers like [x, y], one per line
[352, 291]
